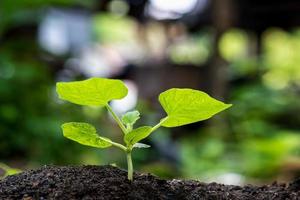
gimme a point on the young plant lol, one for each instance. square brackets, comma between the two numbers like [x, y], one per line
[8, 170]
[182, 106]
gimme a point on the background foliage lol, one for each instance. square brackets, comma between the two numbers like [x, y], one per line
[258, 139]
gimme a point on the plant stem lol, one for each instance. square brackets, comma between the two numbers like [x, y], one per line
[130, 166]
[121, 125]
[120, 146]
[159, 124]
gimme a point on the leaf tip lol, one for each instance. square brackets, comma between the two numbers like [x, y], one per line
[228, 105]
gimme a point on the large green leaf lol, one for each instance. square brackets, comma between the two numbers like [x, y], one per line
[185, 106]
[85, 134]
[91, 92]
[137, 135]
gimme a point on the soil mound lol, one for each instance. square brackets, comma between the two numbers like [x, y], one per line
[107, 182]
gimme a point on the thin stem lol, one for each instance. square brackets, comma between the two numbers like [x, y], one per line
[117, 119]
[130, 166]
[120, 146]
[159, 124]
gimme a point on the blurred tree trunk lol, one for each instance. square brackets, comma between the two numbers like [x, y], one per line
[222, 20]
[218, 76]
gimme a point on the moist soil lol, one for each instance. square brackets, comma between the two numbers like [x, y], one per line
[107, 182]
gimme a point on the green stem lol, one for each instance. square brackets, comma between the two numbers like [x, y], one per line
[130, 166]
[121, 125]
[159, 124]
[120, 146]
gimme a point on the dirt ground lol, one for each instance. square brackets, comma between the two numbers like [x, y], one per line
[107, 182]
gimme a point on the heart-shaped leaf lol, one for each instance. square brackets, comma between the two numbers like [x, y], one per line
[137, 135]
[91, 92]
[85, 134]
[185, 106]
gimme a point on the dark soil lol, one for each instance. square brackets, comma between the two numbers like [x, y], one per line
[106, 182]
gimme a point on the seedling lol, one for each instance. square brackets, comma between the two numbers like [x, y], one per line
[8, 170]
[182, 106]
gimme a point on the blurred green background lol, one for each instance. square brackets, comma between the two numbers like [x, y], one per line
[242, 52]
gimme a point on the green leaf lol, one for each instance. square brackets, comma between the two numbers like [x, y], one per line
[85, 134]
[137, 135]
[141, 145]
[91, 92]
[185, 106]
[12, 171]
[130, 118]
[8, 170]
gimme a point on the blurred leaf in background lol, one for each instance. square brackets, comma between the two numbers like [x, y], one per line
[257, 140]
[281, 58]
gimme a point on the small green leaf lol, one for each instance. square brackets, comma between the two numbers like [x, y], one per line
[85, 134]
[91, 92]
[8, 170]
[12, 171]
[141, 145]
[137, 135]
[130, 118]
[185, 106]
